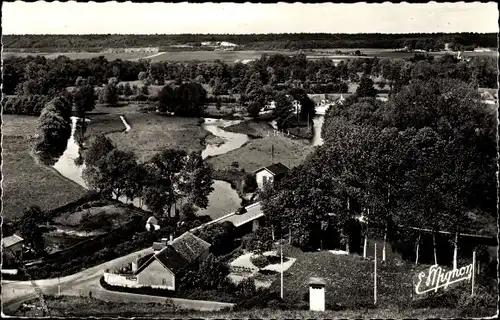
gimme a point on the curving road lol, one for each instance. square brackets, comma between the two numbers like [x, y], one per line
[16, 292]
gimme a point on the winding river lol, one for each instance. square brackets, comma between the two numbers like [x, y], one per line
[223, 198]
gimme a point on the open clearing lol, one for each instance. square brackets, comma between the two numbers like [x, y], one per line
[72, 306]
[349, 280]
[150, 133]
[243, 56]
[257, 153]
[114, 215]
[25, 181]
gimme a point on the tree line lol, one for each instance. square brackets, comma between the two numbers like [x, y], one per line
[165, 183]
[424, 159]
[253, 41]
[31, 82]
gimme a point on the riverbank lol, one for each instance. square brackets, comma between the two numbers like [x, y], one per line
[26, 182]
[257, 153]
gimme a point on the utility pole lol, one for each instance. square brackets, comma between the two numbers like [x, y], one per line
[375, 277]
[281, 257]
[272, 154]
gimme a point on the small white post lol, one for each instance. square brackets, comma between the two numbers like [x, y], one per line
[473, 270]
[375, 277]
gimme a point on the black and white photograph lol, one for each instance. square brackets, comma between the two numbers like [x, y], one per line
[249, 160]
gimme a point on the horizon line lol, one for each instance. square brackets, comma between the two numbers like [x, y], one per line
[245, 34]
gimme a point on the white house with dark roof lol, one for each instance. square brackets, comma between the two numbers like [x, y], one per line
[160, 269]
[270, 174]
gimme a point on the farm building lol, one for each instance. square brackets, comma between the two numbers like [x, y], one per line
[270, 174]
[159, 269]
[12, 249]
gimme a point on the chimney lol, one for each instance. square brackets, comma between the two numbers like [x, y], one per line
[171, 239]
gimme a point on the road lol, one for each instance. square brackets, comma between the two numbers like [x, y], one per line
[16, 292]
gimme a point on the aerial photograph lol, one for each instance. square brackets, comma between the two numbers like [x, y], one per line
[249, 161]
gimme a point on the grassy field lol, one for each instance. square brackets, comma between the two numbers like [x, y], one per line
[85, 307]
[152, 133]
[114, 214]
[25, 182]
[256, 153]
[349, 280]
[84, 55]
[243, 56]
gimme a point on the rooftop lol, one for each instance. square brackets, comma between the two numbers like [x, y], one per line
[253, 213]
[276, 169]
[179, 253]
[11, 240]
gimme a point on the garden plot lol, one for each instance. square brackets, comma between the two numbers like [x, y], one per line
[243, 268]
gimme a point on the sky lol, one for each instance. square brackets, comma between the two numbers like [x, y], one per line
[167, 18]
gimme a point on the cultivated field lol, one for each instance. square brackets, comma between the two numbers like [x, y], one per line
[243, 56]
[24, 180]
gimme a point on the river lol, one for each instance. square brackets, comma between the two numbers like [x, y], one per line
[222, 200]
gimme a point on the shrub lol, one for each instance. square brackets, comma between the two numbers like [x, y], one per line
[482, 303]
[258, 241]
[260, 261]
[220, 236]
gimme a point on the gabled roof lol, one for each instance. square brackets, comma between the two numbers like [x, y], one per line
[179, 254]
[189, 246]
[253, 213]
[11, 240]
[275, 169]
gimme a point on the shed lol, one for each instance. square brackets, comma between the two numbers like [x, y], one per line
[270, 173]
[317, 294]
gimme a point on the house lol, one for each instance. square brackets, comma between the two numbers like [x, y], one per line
[12, 249]
[160, 270]
[269, 173]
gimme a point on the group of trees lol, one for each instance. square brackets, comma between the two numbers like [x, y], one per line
[251, 41]
[54, 128]
[188, 99]
[169, 179]
[425, 159]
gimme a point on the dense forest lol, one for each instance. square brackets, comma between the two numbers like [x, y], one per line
[296, 41]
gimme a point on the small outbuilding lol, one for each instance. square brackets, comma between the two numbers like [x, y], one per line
[270, 174]
[317, 294]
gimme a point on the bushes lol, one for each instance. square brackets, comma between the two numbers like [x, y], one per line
[220, 236]
[260, 261]
[481, 304]
[258, 241]
[31, 105]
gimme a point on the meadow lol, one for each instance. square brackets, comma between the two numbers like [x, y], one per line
[25, 180]
[257, 153]
[84, 307]
[242, 56]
